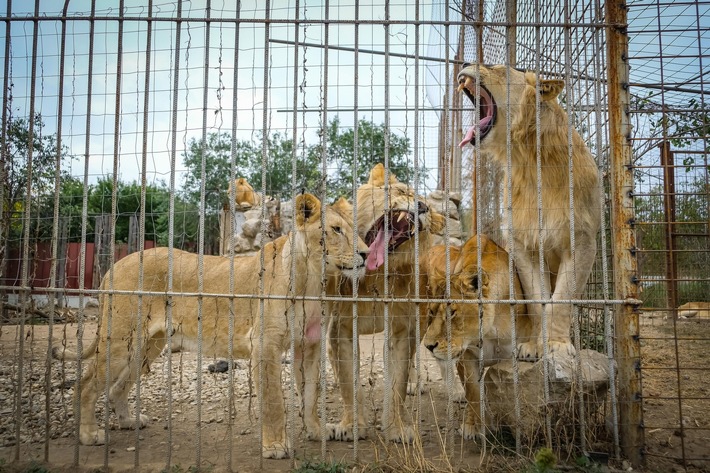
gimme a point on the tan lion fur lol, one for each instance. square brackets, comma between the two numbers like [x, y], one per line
[694, 309]
[305, 248]
[496, 334]
[565, 272]
[402, 315]
[244, 193]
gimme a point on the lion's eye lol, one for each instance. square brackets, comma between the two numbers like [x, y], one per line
[337, 230]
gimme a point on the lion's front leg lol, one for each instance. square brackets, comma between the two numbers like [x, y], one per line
[307, 370]
[532, 283]
[467, 367]
[571, 279]
[397, 427]
[340, 352]
[266, 371]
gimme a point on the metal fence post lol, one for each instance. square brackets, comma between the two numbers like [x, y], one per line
[627, 344]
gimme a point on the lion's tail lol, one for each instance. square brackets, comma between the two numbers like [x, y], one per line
[64, 354]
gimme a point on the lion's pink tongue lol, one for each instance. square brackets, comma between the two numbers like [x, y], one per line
[469, 137]
[376, 257]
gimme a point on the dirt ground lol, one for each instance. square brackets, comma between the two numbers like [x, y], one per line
[676, 359]
[214, 443]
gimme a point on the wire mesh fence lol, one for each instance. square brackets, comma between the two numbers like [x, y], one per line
[409, 235]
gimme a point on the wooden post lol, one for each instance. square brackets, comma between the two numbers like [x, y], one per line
[102, 246]
[627, 346]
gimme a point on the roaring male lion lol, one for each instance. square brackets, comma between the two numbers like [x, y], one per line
[694, 309]
[539, 130]
[302, 250]
[466, 341]
[244, 193]
[388, 227]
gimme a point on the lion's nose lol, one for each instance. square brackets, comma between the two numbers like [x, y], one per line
[432, 346]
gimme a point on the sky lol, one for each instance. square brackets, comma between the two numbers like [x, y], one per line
[668, 43]
[210, 79]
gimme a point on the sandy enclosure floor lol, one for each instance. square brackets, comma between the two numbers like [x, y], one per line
[204, 431]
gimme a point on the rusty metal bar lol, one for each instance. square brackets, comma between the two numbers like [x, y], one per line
[669, 211]
[627, 344]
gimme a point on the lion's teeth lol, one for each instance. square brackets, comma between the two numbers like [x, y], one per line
[401, 216]
[465, 84]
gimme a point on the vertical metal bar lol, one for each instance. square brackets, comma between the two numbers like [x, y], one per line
[324, 190]
[4, 152]
[82, 257]
[171, 235]
[201, 233]
[623, 238]
[511, 29]
[114, 206]
[671, 271]
[293, 405]
[24, 277]
[262, 270]
[141, 333]
[669, 211]
[355, 281]
[56, 245]
[510, 38]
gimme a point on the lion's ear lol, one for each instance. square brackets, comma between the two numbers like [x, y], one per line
[307, 209]
[343, 206]
[377, 176]
[550, 89]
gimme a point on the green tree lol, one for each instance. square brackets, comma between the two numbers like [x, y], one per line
[19, 174]
[128, 203]
[340, 144]
[279, 169]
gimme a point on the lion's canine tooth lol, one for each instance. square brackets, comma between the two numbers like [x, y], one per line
[465, 84]
[401, 216]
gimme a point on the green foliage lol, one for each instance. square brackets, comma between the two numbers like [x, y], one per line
[371, 150]
[685, 126]
[545, 460]
[278, 178]
[310, 466]
[691, 217]
[21, 175]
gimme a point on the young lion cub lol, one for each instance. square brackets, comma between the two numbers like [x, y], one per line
[134, 345]
[539, 129]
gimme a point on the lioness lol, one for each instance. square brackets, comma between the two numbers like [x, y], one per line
[244, 193]
[496, 333]
[387, 232]
[694, 309]
[503, 95]
[305, 247]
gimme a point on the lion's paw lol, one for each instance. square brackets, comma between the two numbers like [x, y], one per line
[344, 432]
[414, 388]
[528, 351]
[275, 450]
[531, 351]
[562, 347]
[470, 431]
[313, 434]
[92, 437]
[405, 434]
[130, 422]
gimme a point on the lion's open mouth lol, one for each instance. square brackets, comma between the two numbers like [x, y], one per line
[486, 108]
[402, 224]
